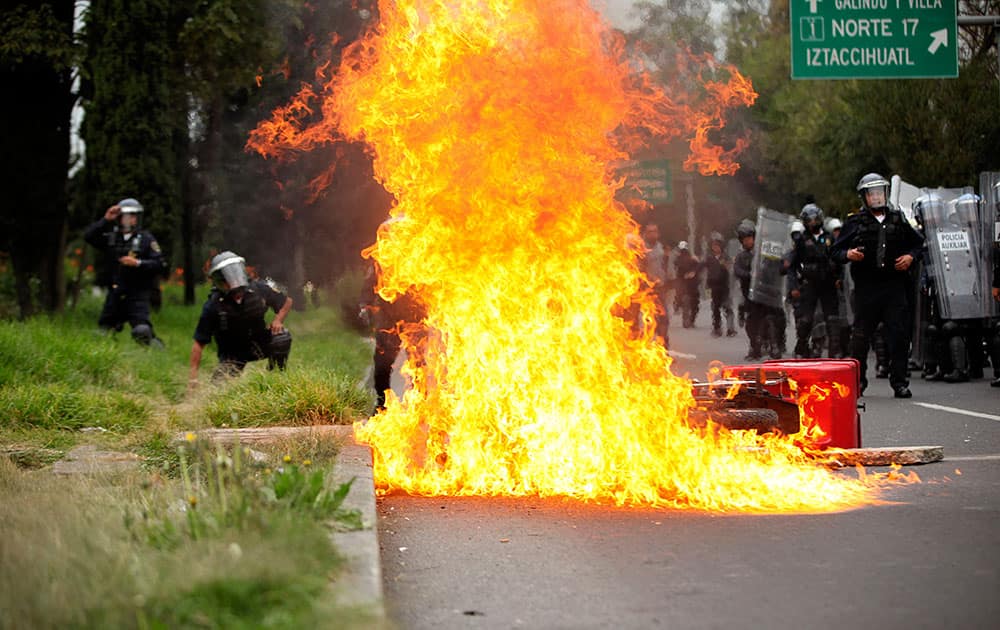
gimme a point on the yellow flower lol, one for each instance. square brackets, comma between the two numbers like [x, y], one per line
[286, 458]
[190, 437]
[193, 500]
[307, 462]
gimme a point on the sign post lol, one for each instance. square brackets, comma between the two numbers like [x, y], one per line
[873, 39]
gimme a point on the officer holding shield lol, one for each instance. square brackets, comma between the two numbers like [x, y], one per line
[136, 261]
[993, 324]
[881, 246]
[818, 280]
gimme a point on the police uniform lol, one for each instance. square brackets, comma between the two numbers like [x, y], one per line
[882, 293]
[387, 318]
[717, 279]
[686, 265]
[742, 265]
[238, 328]
[816, 276]
[994, 325]
[130, 287]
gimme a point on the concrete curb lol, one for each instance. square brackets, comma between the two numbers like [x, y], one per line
[359, 584]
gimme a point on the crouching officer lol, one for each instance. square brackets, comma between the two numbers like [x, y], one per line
[136, 261]
[234, 316]
[881, 245]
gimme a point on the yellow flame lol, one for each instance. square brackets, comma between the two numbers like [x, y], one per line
[493, 123]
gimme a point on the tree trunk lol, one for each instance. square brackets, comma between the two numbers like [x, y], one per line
[34, 163]
[52, 270]
[22, 288]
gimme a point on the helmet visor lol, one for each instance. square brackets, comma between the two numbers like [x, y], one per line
[230, 275]
[875, 197]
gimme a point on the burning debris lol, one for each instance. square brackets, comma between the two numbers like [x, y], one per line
[494, 124]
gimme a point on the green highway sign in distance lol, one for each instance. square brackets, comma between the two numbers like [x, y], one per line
[649, 180]
[873, 39]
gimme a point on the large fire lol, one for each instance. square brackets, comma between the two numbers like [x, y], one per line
[494, 124]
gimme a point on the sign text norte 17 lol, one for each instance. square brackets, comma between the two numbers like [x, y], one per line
[873, 39]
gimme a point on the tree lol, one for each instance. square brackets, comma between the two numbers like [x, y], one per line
[818, 137]
[135, 122]
[37, 53]
[319, 211]
[678, 44]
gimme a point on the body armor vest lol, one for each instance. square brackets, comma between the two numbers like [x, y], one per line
[883, 242]
[814, 257]
[241, 326]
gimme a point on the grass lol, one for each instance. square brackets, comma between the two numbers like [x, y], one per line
[60, 374]
[200, 536]
[228, 546]
[313, 397]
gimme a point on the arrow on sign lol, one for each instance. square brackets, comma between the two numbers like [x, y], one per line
[938, 39]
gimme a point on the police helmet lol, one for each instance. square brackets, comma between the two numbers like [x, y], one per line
[869, 188]
[715, 236]
[796, 228]
[811, 216]
[228, 271]
[832, 223]
[966, 209]
[682, 246]
[130, 206]
[746, 228]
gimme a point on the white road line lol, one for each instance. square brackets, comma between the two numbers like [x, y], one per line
[971, 458]
[964, 412]
[681, 355]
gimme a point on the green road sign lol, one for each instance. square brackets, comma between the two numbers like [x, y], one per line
[873, 39]
[649, 180]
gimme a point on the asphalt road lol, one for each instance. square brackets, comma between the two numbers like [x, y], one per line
[928, 557]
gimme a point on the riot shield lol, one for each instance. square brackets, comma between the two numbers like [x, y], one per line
[958, 257]
[989, 189]
[771, 243]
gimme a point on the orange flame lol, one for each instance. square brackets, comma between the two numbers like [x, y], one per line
[494, 124]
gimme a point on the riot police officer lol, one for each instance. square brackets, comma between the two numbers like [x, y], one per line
[818, 279]
[688, 268]
[881, 246]
[994, 325]
[717, 265]
[135, 262]
[842, 326]
[762, 323]
[654, 263]
[742, 266]
[390, 322]
[233, 315]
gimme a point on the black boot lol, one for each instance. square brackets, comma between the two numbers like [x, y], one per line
[959, 361]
